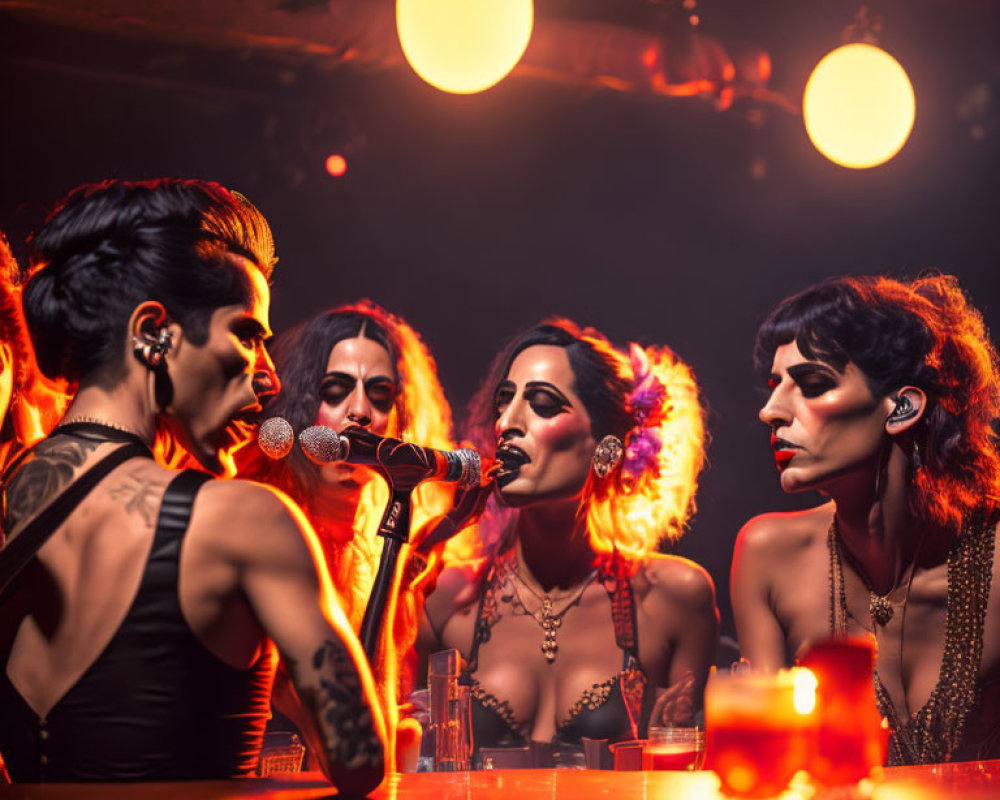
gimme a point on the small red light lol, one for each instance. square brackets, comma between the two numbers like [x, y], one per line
[649, 57]
[336, 165]
[763, 67]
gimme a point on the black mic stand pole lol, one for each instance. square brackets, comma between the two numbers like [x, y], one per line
[395, 529]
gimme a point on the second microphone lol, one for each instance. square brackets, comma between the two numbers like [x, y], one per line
[401, 463]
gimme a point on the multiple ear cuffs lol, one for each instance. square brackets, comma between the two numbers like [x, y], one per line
[150, 350]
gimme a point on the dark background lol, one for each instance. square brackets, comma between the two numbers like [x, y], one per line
[654, 219]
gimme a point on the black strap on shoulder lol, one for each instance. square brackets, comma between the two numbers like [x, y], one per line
[175, 508]
[22, 548]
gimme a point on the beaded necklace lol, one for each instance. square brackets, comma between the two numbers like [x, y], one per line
[935, 731]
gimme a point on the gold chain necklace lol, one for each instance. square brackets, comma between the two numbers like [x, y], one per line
[546, 616]
[936, 731]
[880, 609]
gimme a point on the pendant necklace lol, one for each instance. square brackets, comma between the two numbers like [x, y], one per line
[546, 616]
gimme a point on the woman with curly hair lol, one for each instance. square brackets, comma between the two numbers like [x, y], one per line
[884, 396]
[570, 623]
[359, 365]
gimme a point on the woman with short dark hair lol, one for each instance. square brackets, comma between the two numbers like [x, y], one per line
[139, 628]
[883, 397]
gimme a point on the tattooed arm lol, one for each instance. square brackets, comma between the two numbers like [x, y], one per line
[291, 596]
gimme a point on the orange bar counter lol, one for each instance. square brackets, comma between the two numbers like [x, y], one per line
[976, 780]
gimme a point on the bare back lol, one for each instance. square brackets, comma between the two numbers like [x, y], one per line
[244, 575]
[86, 575]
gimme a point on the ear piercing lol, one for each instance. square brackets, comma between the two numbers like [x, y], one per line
[151, 350]
[904, 409]
[607, 455]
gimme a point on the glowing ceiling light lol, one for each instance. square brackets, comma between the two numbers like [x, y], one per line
[858, 106]
[336, 165]
[463, 46]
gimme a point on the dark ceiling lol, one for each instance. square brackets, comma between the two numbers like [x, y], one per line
[656, 218]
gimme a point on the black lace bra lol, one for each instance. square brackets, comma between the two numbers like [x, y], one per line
[615, 709]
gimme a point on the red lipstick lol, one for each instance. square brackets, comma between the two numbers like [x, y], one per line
[784, 452]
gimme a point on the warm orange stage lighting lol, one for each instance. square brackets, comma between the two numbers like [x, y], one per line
[336, 165]
[464, 46]
[633, 518]
[858, 106]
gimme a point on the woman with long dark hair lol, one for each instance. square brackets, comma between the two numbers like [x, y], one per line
[571, 624]
[358, 365]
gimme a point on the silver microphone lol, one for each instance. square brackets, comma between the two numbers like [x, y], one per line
[323, 445]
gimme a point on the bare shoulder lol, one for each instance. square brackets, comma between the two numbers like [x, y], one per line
[780, 534]
[242, 515]
[455, 589]
[678, 580]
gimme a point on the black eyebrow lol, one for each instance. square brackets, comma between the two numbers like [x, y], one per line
[548, 387]
[809, 367]
[379, 379]
[248, 327]
[342, 376]
[345, 376]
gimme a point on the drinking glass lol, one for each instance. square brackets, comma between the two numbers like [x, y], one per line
[281, 753]
[451, 722]
[628, 754]
[674, 748]
[758, 729]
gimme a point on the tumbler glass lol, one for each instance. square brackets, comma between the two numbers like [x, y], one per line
[759, 728]
[451, 722]
[674, 749]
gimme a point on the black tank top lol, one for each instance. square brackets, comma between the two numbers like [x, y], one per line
[156, 704]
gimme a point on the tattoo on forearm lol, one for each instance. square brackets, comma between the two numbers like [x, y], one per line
[345, 719]
[676, 706]
[140, 495]
[49, 470]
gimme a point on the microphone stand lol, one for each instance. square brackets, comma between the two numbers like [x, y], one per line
[395, 528]
[403, 466]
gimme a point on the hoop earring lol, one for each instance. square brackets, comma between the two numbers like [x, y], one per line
[149, 351]
[607, 455]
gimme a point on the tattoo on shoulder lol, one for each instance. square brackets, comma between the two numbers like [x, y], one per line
[49, 469]
[140, 494]
[345, 719]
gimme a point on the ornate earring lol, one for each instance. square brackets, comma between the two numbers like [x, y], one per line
[904, 409]
[150, 351]
[607, 455]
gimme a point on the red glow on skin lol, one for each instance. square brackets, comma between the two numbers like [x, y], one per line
[336, 165]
